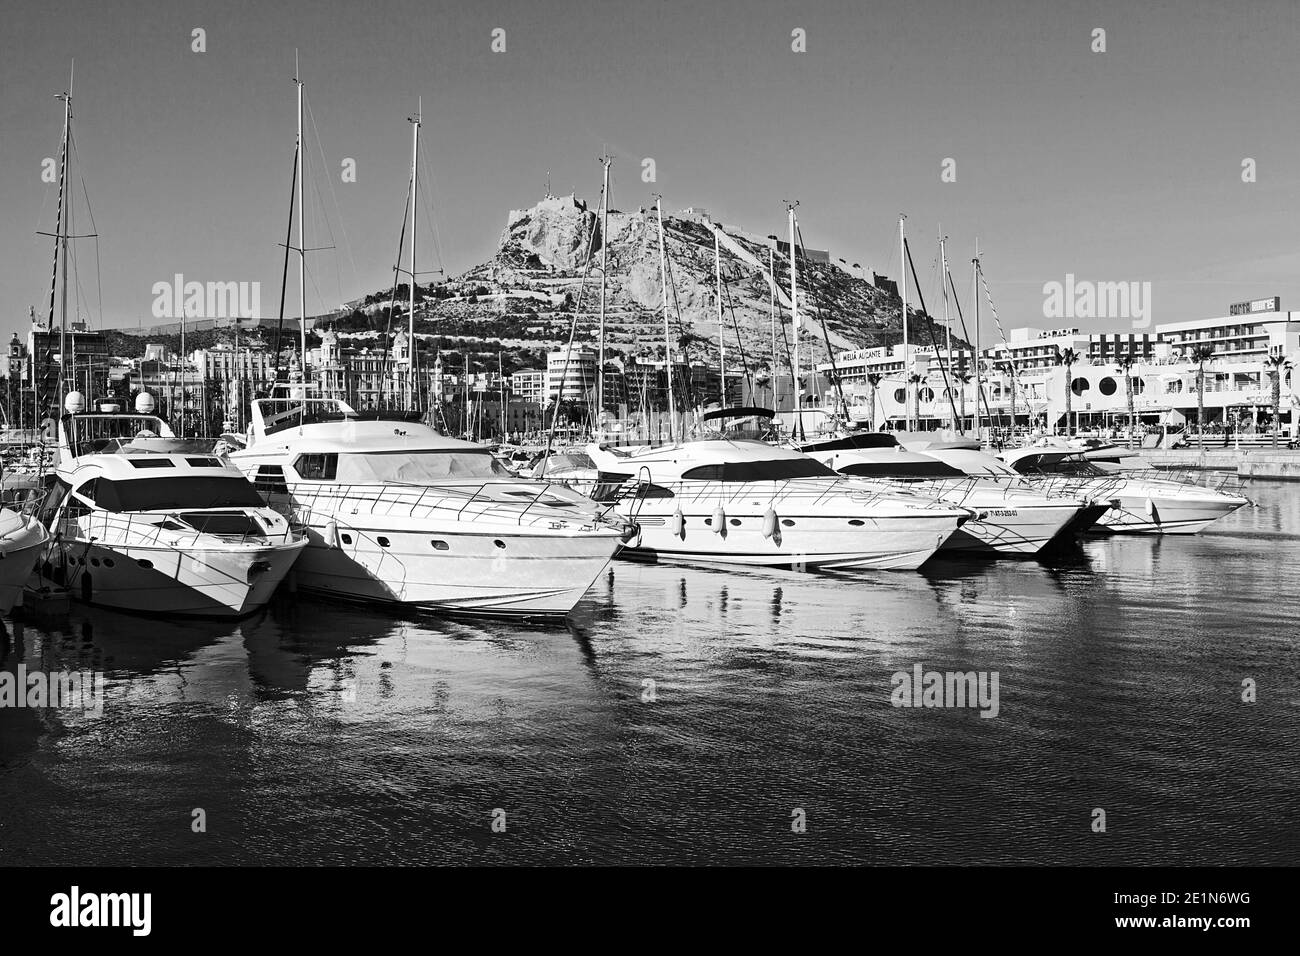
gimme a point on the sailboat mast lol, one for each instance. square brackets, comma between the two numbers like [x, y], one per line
[415, 159]
[722, 345]
[771, 309]
[947, 323]
[974, 291]
[61, 239]
[795, 322]
[604, 245]
[302, 245]
[907, 355]
[668, 346]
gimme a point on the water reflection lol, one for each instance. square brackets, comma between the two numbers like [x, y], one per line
[680, 713]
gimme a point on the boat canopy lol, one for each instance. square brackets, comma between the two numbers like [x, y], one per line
[417, 467]
[739, 411]
[850, 442]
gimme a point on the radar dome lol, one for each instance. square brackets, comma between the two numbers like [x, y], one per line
[74, 402]
[144, 403]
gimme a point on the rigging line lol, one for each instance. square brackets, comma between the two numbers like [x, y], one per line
[744, 359]
[347, 243]
[1010, 354]
[430, 198]
[816, 304]
[284, 275]
[979, 389]
[929, 324]
[318, 210]
[573, 328]
[392, 298]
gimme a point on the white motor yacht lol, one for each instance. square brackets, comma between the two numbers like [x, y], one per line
[742, 501]
[23, 540]
[398, 514]
[1008, 520]
[1143, 504]
[143, 521]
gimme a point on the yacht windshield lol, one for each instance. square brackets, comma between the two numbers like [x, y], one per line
[1078, 467]
[419, 467]
[183, 491]
[901, 469]
[776, 470]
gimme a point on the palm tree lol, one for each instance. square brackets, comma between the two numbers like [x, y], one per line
[1009, 369]
[963, 379]
[1126, 368]
[1200, 355]
[874, 379]
[1067, 358]
[1277, 364]
[916, 381]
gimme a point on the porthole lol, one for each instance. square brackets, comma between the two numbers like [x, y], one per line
[94, 562]
[735, 521]
[347, 538]
[383, 542]
[788, 522]
[499, 543]
[108, 562]
[708, 521]
[856, 522]
[145, 563]
[440, 545]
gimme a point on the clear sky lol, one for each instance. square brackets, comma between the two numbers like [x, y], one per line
[1115, 166]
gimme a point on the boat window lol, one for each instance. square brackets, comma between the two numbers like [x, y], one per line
[270, 480]
[87, 490]
[901, 469]
[188, 491]
[865, 440]
[759, 470]
[54, 496]
[419, 467]
[316, 467]
[151, 463]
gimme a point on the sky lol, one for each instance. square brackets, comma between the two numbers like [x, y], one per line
[1115, 166]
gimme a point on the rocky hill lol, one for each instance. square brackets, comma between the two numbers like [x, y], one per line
[526, 296]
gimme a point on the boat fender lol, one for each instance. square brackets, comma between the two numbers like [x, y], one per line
[679, 524]
[1149, 507]
[769, 522]
[332, 534]
[719, 520]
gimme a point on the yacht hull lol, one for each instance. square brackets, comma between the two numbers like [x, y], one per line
[821, 543]
[196, 582]
[21, 548]
[1167, 515]
[541, 575]
[1011, 529]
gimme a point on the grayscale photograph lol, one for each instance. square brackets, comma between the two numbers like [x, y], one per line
[650, 434]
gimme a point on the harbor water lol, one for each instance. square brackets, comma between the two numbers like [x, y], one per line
[684, 715]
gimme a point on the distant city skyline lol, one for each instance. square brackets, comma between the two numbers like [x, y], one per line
[1123, 166]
